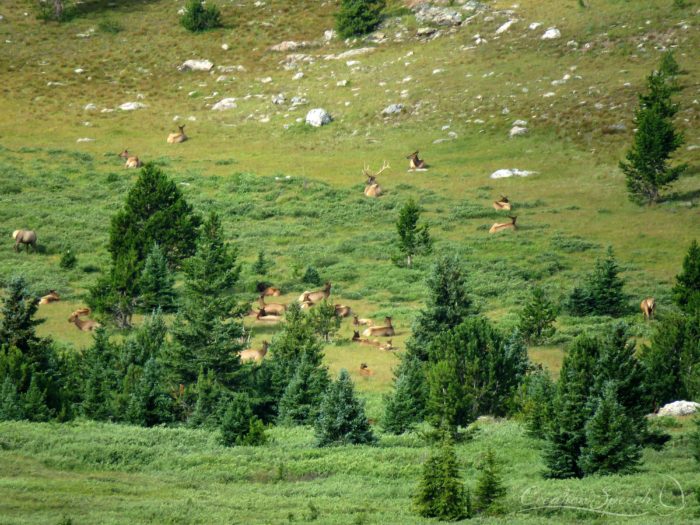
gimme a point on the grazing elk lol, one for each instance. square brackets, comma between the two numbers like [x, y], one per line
[254, 355]
[317, 296]
[358, 321]
[414, 163]
[365, 371]
[131, 161]
[500, 226]
[503, 204]
[176, 138]
[372, 187]
[648, 307]
[85, 325]
[51, 297]
[271, 308]
[342, 311]
[381, 331]
[26, 237]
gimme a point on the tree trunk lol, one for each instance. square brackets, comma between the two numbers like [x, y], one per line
[58, 9]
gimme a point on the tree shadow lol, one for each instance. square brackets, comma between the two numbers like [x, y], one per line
[88, 7]
[677, 196]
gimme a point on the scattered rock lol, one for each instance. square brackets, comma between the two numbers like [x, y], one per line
[298, 76]
[78, 70]
[279, 99]
[474, 5]
[132, 106]
[517, 131]
[441, 16]
[679, 408]
[85, 139]
[90, 107]
[478, 40]
[505, 27]
[318, 117]
[86, 34]
[520, 122]
[505, 173]
[393, 109]
[225, 47]
[329, 34]
[224, 104]
[266, 80]
[426, 31]
[341, 83]
[299, 101]
[534, 26]
[438, 71]
[549, 94]
[350, 53]
[289, 45]
[51, 83]
[615, 128]
[230, 69]
[551, 34]
[692, 147]
[196, 65]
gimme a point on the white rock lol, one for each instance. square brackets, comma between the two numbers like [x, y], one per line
[551, 34]
[441, 16]
[299, 101]
[266, 80]
[298, 76]
[426, 31]
[520, 122]
[90, 107]
[549, 94]
[225, 47]
[222, 78]
[517, 131]
[505, 27]
[318, 117]
[279, 99]
[85, 139]
[505, 173]
[78, 70]
[196, 65]
[393, 109]
[534, 25]
[679, 408]
[351, 53]
[288, 45]
[351, 63]
[224, 104]
[693, 147]
[438, 71]
[329, 34]
[341, 83]
[106, 110]
[132, 106]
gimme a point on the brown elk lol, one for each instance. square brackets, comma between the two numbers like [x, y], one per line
[415, 163]
[271, 308]
[26, 237]
[270, 292]
[387, 347]
[50, 297]
[317, 296]
[176, 138]
[85, 325]
[358, 321]
[648, 307]
[381, 331]
[263, 316]
[503, 204]
[364, 370]
[357, 339]
[500, 226]
[131, 161]
[80, 312]
[372, 187]
[343, 311]
[254, 355]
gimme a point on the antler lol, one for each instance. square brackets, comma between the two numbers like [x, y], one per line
[385, 167]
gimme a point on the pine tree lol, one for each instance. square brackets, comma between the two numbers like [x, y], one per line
[611, 443]
[647, 170]
[149, 403]
[260, 265]
[34, 403]
[146, 342]
[606, 287]
[404, 407]
[686, 292]
[239, 426]
[537, 318]
[537, 406]
[68, 260]
[17, 324]
[99, 380]
[209, 400]
[300, 404]
[156, 283]
[441, 492]
[489, 486]
[10, 405]
[413, 239]
[325, 320]
[311, 276]
[342, 419]
[207, 332]
[358, 17]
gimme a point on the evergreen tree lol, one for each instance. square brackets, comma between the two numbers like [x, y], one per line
[404, 407]
[325, 320]
[647, 170]
[146, 342]
[34, 403]
[209, 401]
[207, 332]
[150, 403]
[199, 17]
[10, 405]
[301, 401]
[342, 419]
[441, 492]
[239, 426]
[68, 260]
[537, 318]
[156, 283]
[17, 324]
[537, 406]
[489, 486]
[602, 294]
[611, 445]
[311, 276]
[686, 292]
[260, 265]
[413, 239]
[358, 17]
[99, 380]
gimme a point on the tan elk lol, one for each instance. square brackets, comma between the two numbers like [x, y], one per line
[263, 316]
[342, 311]
[270, 292]
[26, 237]
[500, 226]
[254, 355]
[51, 297]
[80, 312]
[365, 370]
[131, 160]
[502, 204]
[381, 331]
[648, 307]
[85, 325]
[415, 163]
[358, 321]
[176, 138]
[372, 187]
[317, 296]
[387, 347]
[271, 308]
[359, 340]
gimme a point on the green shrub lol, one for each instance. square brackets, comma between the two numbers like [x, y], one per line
[358, 17]
[489, 486]
[311, 276]
[198, 17]
[68, 260]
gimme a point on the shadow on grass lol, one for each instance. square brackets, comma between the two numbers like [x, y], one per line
[682, 196]
[72, 10]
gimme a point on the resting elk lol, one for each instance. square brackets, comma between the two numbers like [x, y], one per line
[364, 370]
[503, 204]
[50, 297]
[342, 311]
[317, 296]
[381, 331]
[415, 163]
[500, 226]
[254, 355]
[263, 316]
[271, 308]
[175, 138]
[131, 161]
[358, 321]
[80, 312]
[26, 237]
[85, 325]
[648, 307]
[372, 187]
[269, 291]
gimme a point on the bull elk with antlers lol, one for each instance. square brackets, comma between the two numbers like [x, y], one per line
[372, 187]
[502, 204]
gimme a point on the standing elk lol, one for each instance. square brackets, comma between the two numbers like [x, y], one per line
[500, 226]
[85, 325]
[271, 308]
[648, 307]
[254, 355]
[176, 138]
[381, 331]
[131, 161]
[503, 204]
[415, 163]
[372, 187]
[51, 297]
[26, 237]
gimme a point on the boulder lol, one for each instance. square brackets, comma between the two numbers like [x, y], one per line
[505, 27]
[224, 104]
[551, 34]
[131, 106]
[517, 131]
[329, 34]
[520, 122]
[289, 45]
[534, 26]
[279, 99]
[679, 408]
[298, 76]
[351, 53]
[441, 16]
[393, 109]
[318, 117]
[90, 107]
[196, 65]
[426, 31]
[505, 173]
